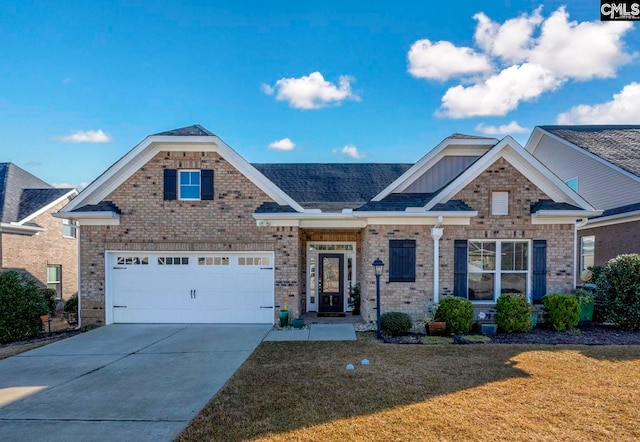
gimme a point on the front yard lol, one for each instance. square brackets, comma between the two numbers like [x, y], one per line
[301, 391]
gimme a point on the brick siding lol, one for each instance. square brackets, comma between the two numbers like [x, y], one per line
[613, 240]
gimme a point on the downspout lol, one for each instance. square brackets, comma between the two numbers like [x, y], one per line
[79, 326]
[436, 234]
[579, 223]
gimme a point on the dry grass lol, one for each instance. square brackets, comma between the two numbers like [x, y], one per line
[14, 349]
[302, 392]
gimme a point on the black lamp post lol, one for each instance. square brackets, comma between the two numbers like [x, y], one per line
[377, 268]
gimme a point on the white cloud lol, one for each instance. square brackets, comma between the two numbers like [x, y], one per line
[500, 93]
[89, 136]
[311, 91]
[504, 129]
[511, 40]
[623, 109]
[442, 60]
[78, 186]
[532, 55]
[580, 50]
[283, 144]
[351, 151]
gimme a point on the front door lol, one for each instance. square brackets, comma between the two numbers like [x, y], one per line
[330, 282]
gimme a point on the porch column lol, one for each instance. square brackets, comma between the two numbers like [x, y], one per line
[436, 234]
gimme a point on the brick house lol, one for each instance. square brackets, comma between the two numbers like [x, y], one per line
[183, 229]
[602, 164]
[32, 240]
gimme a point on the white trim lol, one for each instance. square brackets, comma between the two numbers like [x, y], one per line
[619, 218]
[44, 209]
[481, 146]
[436, 234]
[533, 142]
[178, 184]
[141, 154]
[525, 163]
[346, 254]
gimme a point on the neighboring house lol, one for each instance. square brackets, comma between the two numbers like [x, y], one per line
[602, 164]
[184, 229]
[31, 239]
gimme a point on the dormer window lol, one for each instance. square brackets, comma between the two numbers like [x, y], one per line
[189, 184]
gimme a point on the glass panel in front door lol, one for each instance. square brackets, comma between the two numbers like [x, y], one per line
[330, 283]
[331, 275]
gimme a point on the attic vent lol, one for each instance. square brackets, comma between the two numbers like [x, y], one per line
[499, 203]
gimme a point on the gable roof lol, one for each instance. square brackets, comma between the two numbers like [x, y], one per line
[332, 186]
[617, 144]
[22, 194]
[191, 138]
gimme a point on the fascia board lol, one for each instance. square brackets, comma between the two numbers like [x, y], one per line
[48, 206]
[619, 218]
[589, 155]
[431, 158]
[525, 163]
[568, 213]
[151, 146]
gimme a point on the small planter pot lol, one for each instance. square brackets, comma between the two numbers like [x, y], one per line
[436, 328]
[534, 320]
[488, 329]
[586, 314]
[297, 323]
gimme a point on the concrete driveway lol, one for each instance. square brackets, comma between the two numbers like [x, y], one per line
[120, 382]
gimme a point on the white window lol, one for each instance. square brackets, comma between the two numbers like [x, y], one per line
[587, 252]
[54, 279]
[189, 184]
[173, 261]
[69, 228]
[573, 183]
[496, 267]
[499, 203]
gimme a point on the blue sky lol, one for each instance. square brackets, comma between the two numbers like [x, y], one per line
[84, 82]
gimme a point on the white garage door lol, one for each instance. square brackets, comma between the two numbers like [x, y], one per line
[180, 287]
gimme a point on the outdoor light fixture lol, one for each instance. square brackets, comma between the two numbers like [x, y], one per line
[378, 265]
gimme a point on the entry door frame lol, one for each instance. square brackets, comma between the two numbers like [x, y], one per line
[314, 249]
[339, 294]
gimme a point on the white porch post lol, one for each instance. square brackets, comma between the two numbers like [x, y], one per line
[436, 234]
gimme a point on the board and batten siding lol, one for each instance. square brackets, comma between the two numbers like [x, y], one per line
[601, 185]
[441, 174]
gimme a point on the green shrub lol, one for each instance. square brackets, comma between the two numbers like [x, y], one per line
[561, 311]
[49, 296]
[21, 305]
[457, 313]
[395, 323]
[619, 285]
[71, 305]
[513, 313]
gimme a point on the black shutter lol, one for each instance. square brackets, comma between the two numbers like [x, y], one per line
[539, 269]
[206, 184]
[170, 184]
[402, 260]
[460, 248]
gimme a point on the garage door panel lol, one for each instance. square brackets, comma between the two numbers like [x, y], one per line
[176, 287]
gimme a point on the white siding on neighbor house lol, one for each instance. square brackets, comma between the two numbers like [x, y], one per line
[440, 174]
[601, 185]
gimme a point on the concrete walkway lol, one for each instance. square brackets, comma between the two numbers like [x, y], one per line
[120, 382]
[315, 332]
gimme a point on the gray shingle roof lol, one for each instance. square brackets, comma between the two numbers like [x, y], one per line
[619, 145]
[552, 205]
[189, 131]
[398, 202]
[269, 207]
[324, 185]
[620, 210]
[22, 194]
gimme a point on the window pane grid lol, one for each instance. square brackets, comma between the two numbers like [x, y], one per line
[496, 267]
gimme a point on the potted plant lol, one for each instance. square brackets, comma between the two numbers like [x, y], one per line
[284, 315]
[354, 299]
[586, 300]
[433, 327]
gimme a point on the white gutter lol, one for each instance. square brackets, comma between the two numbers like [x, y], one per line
[578, 214]
[20, 229]
[612, 219]
[436, 234]
[107, 214]
[79, 326]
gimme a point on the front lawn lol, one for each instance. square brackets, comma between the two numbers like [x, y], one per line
[301, 391]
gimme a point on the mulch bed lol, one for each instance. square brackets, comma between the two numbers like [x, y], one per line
[591, 335]
[43, 337]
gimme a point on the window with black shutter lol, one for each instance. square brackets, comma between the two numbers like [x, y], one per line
[402, 260]
[170, 184]
[206, 192]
